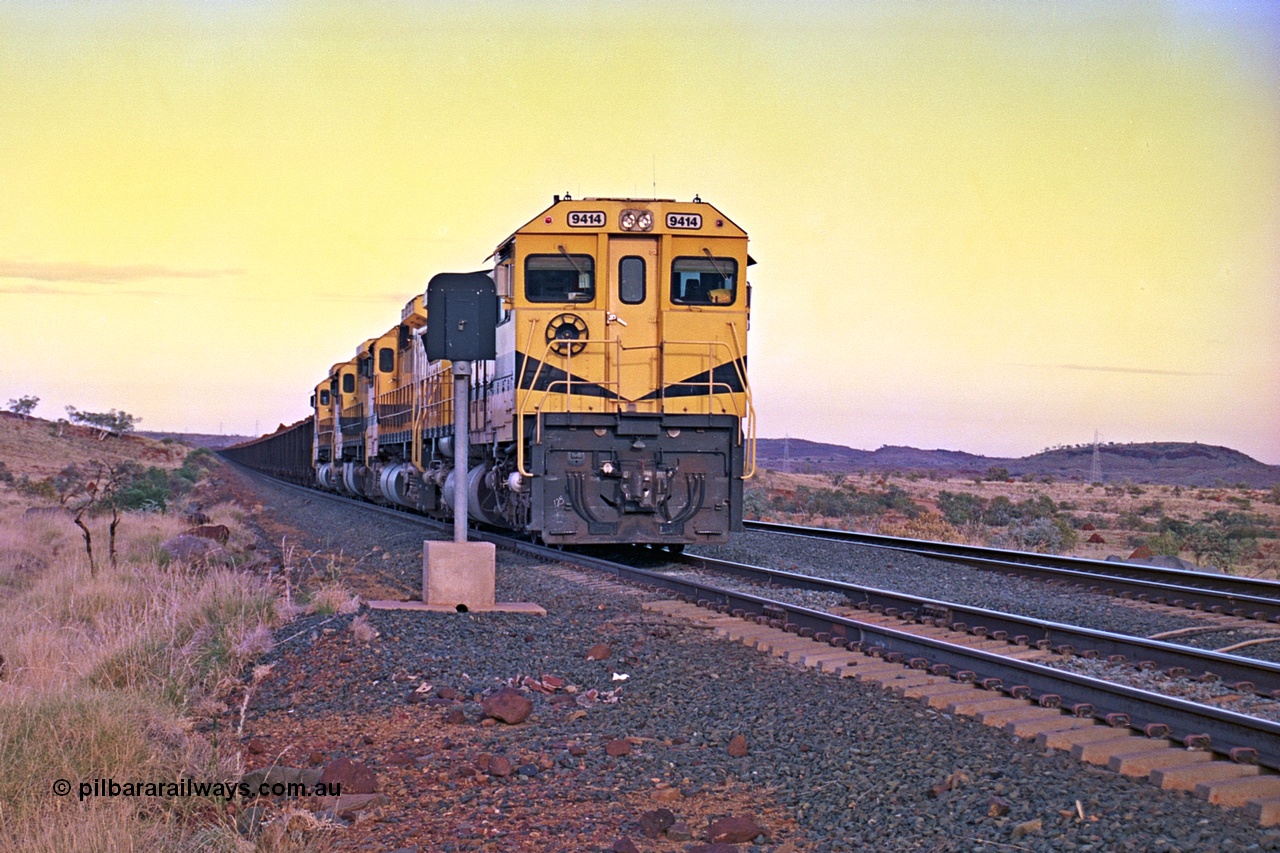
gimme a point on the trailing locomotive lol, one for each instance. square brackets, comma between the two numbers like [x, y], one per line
[617, 410]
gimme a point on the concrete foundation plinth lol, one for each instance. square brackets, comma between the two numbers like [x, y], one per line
[458, 574]
[458, 577]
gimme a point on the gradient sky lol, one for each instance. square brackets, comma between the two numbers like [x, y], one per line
[983, 226]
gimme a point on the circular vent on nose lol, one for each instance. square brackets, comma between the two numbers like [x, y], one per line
[567, 334]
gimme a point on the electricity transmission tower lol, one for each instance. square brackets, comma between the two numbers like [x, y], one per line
[1095, 470]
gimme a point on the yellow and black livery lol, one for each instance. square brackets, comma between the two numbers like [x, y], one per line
[617, 409]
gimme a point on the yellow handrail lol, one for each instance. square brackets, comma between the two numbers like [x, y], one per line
[746, 414]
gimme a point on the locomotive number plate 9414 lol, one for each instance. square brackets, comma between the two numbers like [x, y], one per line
[684, 220]
[586, 218]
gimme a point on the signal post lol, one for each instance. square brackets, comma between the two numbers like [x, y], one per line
[458, 576]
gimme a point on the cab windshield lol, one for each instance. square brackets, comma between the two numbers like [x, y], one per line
[704, 281]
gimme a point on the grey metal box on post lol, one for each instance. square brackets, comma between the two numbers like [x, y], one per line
[462, 315]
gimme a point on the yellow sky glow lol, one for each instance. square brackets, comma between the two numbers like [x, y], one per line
[981, 226]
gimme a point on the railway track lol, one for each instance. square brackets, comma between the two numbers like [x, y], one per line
[974, 679]
[1016, 633]
[1249, 599]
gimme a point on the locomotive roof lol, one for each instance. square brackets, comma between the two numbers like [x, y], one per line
[713, 221]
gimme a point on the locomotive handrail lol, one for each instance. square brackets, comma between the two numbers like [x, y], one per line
[740, 367]
[746, 417]
[568, 382]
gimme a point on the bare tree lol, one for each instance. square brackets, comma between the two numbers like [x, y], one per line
[86, 495]
[93, 491]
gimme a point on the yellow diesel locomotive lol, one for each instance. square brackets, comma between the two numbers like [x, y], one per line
[617, 409]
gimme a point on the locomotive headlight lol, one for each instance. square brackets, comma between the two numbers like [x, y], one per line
[636, 220]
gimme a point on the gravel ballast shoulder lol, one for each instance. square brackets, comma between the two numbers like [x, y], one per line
[857, 768]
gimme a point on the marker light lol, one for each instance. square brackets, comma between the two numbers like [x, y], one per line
[547, 220]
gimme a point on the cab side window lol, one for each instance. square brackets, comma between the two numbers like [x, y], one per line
[348, 383]
[386, 360]
[559, 278]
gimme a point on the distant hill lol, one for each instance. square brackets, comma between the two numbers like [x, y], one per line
[1172, 462]
[40, 449]
[198, 439]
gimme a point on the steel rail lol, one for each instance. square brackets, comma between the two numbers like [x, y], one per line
[1249, 598]
[1221, 731]
[1246, 674]
[1186, 721]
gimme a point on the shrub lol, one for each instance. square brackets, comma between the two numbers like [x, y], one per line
[926, 525]
[1045, 535]
[999, 512]
[755, 503]
[148, 491]
[1165, 544]
[43, 489]
[1132, 521]
[961, 508]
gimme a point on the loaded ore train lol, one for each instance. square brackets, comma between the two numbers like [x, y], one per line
[617, 409]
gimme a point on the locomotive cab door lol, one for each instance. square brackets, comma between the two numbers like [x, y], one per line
[631, 320]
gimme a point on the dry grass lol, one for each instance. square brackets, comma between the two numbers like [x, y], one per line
[332, 598]
[103, 676]
[362, 630]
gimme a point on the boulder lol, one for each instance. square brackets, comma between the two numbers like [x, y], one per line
[219, 533]
[46, 512]
[354, 777]
[508, 705]
[279, 776]
[191, 549]
[734, 830]
[1166, 562]
[654, 823]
